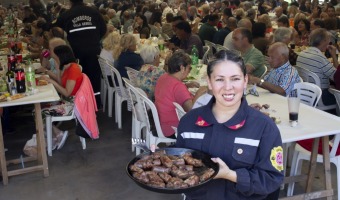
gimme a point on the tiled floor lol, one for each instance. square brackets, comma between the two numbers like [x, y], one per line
[97, 173]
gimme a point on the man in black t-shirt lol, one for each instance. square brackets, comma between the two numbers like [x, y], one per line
[85, 27]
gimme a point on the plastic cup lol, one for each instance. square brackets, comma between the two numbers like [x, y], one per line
[293, 108]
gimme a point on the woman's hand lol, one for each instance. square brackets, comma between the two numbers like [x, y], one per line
[192, 84]
[40, 70]
[224, 172]
[46, 78]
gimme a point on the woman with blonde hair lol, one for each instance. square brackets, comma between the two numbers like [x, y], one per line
[111, 44]
[266, 20]
[126, 55]
[292, 11]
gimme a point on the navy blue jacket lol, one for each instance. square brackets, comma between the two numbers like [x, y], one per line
[128, 59]
[249, 143]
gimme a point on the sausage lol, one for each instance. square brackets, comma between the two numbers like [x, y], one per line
[193, 161]
[142, 177]
[179, 161]
[158, 154]
[174, 182]
[186, 167]
[154, 177]
[161, 169]
[183, 174]
[192, 180]
[166, 177]
[156, 162]
[166, 161]
[156, 184]
[207, 174]
[134, 168]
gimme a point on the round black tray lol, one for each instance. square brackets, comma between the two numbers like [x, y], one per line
[206, 159]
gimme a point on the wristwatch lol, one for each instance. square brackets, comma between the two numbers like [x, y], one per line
[261, 82]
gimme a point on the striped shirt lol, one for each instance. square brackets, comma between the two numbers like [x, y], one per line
[315, 61]
[285, 77]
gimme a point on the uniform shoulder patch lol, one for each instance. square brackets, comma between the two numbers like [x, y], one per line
[276, 158]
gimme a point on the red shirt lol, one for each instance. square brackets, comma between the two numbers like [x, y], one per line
[73, 72]
[168, 90]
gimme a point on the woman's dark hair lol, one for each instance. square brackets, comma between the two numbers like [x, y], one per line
[65, 55]
[319, 10]
[213, 17]
[145, 21]
[184, 25]
[319, 22]
[178, 59]
[169, 17]
[259, 30]
[227, 11]
[225, 55]
[156, 17]
[306, 22]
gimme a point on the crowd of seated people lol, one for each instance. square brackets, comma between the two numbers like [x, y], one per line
[235, 25]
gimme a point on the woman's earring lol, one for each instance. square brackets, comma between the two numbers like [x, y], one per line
[244, 91]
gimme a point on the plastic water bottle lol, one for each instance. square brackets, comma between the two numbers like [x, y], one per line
[30, 78]
[194, 55]
[130, 30]
[194, 60]
[160, 43]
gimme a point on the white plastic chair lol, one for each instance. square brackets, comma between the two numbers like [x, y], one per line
[336, 94]
[220, 47]
[179, 110]
[265, 71]
[301, 154]
[212, 47]
[49, 120]
[311, 77]
[107, 89]
[120, 96]
[165, 36]
[158, 136]
[138, 120]
[206, 55]
[132, 74]
[308, 93]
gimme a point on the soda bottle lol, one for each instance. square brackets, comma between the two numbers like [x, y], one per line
[20, 79]
[30, 77]
[194, 60]
[10, 75]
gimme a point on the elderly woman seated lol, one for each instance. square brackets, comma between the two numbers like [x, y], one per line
[170, 88]
[150, 71]
[111, 45]
[126, 55]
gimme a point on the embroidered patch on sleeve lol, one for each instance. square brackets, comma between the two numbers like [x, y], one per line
[276, 157]
[201, 122]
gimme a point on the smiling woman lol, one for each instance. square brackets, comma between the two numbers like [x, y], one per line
[231, 132]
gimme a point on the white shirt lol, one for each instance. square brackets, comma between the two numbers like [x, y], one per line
[107, 55]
